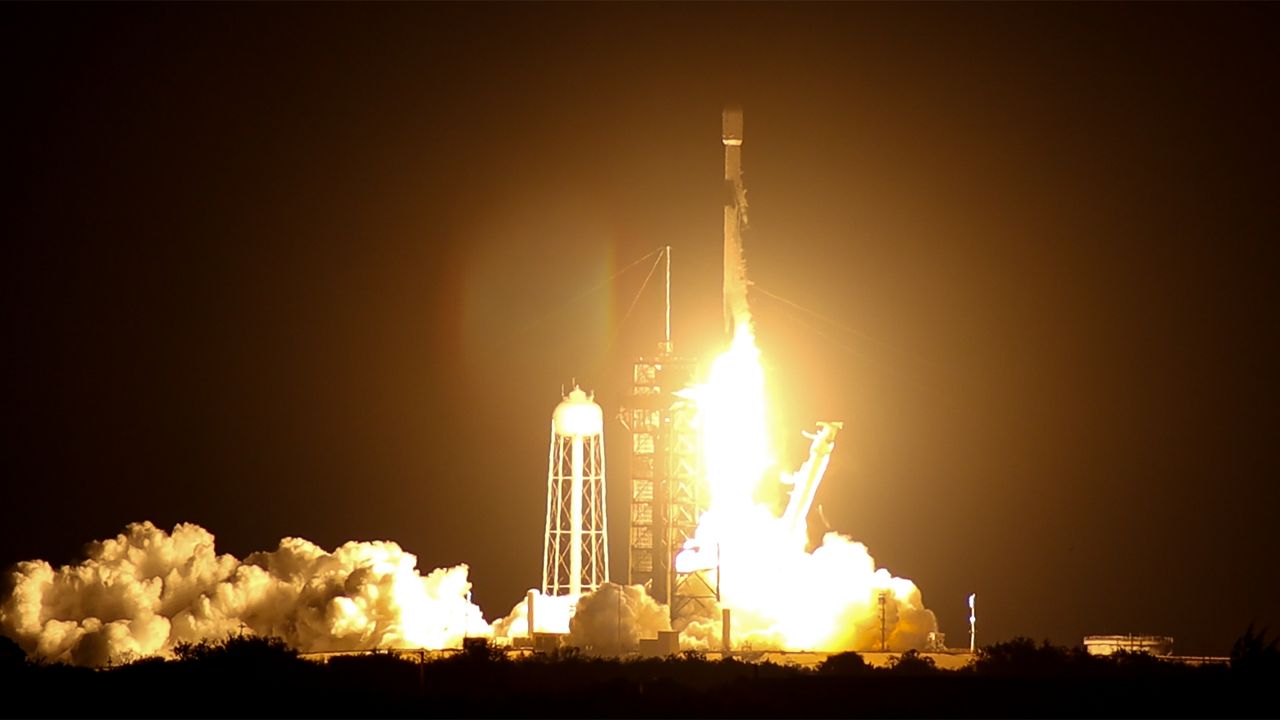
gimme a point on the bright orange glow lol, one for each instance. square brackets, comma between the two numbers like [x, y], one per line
[732, 413]
[781, 595]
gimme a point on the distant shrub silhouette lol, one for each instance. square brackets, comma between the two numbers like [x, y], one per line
[845, 663]
[912, 662]
[1136, 663]
[1252, 655]
[1019, 678]
[1021, 656]
[11, 654]
[238, 650]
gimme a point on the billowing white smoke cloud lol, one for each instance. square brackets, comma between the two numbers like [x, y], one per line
[612, 617]
[146, 590]
[826, 600]
[551, 615]
[615, 618]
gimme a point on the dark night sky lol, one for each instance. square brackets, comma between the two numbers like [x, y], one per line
[310, 270]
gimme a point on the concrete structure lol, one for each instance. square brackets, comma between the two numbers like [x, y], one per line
[667, 643]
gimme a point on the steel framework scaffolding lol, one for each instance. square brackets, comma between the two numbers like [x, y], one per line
[668, 492]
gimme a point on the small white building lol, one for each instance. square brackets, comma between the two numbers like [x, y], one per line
[1109, 644]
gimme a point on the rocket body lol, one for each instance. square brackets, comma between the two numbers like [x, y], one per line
[735, 221]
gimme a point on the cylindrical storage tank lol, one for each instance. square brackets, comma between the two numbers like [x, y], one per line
[578, 415]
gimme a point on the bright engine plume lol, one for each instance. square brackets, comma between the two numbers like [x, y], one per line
[781, 595]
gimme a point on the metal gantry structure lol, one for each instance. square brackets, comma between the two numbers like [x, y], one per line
[667, 484]
[694, 593]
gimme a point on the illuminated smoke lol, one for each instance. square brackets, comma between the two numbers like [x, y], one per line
[551, 615]
[615, 618]
[146, 590]
[781, 595]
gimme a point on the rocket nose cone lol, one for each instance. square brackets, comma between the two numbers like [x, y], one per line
[731, 124]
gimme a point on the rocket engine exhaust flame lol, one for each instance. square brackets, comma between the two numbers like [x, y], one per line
[781, 595]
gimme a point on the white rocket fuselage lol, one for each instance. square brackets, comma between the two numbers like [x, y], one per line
[735, 221]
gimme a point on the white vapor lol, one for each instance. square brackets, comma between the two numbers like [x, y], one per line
[614, 619]
[146, 590]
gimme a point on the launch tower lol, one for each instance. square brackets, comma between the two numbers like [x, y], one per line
[666, 465]
[668, 484]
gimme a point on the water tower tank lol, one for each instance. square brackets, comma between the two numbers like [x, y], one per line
[579, 415]
[575, 551]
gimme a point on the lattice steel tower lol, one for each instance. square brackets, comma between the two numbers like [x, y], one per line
[575, 551]
[667, 482]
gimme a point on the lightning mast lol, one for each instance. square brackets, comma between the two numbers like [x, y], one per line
[666, 474]
[973, 622]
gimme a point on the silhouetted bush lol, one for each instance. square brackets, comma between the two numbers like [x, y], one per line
[11, 654]
[261, 676]
[1253, 656]
[912, 662]
[845, 663]
[1021, 656]
[238, 650]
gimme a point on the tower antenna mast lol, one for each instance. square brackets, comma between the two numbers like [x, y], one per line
[973, 622]
[666, 337]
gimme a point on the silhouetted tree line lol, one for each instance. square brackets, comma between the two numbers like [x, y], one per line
[256, 677]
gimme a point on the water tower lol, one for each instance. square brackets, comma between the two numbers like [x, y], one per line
[575, 552]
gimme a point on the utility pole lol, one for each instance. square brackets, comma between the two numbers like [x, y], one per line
[666, 335]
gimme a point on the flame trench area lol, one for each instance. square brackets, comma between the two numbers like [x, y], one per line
[710, 566]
